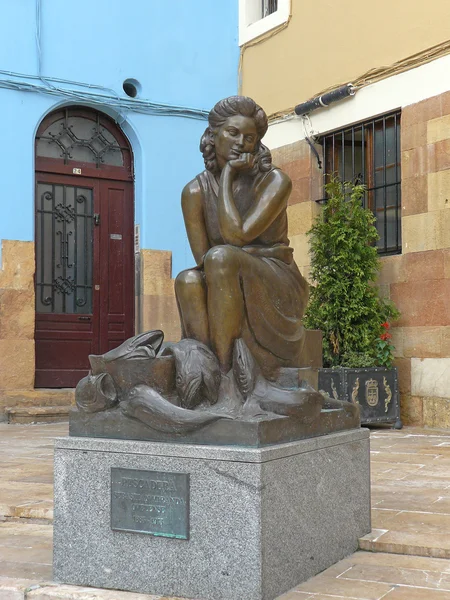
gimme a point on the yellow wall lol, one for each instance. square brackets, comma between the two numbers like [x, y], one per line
[329, 42]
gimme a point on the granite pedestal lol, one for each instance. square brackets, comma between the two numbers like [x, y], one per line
[258, 520]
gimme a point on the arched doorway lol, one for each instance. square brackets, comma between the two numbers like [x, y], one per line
[84, 243]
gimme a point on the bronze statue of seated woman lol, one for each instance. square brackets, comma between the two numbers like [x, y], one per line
[246, 283]
[241, 311]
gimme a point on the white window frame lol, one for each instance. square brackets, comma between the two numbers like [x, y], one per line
[251, 25]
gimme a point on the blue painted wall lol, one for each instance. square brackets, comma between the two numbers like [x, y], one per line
[182, 53]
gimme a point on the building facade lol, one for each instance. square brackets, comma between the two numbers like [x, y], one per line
[103, 111]
[393, 135]
[103, 107]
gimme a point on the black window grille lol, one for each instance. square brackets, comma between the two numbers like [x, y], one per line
[64, 224]
[79, 138]
[269, 7]
[369, 153]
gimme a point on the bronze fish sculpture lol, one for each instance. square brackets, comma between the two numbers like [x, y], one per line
[148, 406]
[145, 345]
[197, 373]
[95, 393]
[245, 370]
[303, 402]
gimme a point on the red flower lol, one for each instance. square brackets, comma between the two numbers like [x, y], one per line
[385, 336]
[385, 325]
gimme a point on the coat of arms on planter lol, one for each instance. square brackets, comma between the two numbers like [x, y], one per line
[372, 392]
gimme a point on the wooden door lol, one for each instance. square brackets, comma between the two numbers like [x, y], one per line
[115, 264]
[84, 264]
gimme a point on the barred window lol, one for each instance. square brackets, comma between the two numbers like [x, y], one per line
[269, 7]
[369, 153]
[257, 17]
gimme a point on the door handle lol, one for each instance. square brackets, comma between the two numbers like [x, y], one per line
[84, 318]
[96, 219]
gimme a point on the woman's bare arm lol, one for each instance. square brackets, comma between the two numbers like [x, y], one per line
[271, 199]
[194, 220]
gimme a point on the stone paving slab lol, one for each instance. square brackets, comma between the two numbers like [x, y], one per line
[27, 500]
[26, 551]
[67, 592]
[410, 511]
[372, 576]
[13, 589]
[410, 473]
[26, 474]
[362, 576]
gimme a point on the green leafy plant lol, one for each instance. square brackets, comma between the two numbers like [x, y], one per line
[344, 302]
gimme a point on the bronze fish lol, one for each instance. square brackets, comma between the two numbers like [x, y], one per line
[148, 406]
[95, 393]
[197, 373]
[245, 370]
[303, 403]
[145, 345]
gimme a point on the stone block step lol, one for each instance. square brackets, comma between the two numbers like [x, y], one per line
[408, 543]
[34, 398]
[37, 414]
[37, 397]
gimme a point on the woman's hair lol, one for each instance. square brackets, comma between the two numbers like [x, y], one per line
[229, 107]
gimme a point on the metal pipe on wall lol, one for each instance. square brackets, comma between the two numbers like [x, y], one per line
[325, 100]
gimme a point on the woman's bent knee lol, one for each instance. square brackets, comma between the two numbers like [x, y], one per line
[188, 278]
[222, 258]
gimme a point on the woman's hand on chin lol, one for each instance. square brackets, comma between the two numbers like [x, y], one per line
[243, 162]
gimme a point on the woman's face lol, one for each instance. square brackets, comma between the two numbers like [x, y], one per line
[237, 135]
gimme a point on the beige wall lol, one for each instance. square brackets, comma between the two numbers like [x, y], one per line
[327, 43]
[158, 304]
[418, 280]
[16, 318]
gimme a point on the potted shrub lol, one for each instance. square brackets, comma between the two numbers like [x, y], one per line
[345, 304]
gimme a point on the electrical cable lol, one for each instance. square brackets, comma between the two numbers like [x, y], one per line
[310, 138]
[91, 93]
[264, 37]
[378, 74]
[113, 100]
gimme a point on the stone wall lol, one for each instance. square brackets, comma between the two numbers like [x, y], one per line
[298, 162]
[158, 307]
[418, 280]
[16, 318]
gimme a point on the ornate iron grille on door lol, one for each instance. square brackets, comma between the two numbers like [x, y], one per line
[64, 249]
[82, 138]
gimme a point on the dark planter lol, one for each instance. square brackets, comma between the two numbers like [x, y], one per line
[374, 389]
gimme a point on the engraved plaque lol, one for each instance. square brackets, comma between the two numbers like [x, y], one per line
[150, 502]
[115, 236]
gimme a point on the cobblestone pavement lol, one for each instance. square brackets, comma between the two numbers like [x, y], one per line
[409, 556]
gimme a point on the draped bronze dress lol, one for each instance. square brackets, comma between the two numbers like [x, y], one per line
[275, 293]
